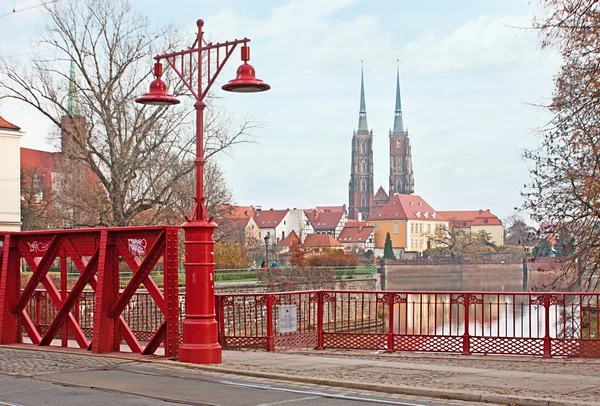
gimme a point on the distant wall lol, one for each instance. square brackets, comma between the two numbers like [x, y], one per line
[262, 287]
[453, 274]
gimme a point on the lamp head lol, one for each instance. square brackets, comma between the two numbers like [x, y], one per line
[245, 80]
[158, 95]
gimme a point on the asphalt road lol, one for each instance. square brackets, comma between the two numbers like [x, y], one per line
[32, 378]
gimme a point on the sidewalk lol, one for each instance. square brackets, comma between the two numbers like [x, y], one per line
[506, 380]
[493, 379]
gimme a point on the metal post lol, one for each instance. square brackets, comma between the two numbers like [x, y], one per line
[270, 336]
[390, 339]
[547, 342]
[466, 345]
[9, 291]
[320, 315]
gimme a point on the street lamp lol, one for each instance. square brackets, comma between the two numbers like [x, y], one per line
[200, 344]
[267, 248]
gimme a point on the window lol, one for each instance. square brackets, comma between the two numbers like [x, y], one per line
[395, 228]
[399, 186]
[269, 234]
[412, 228]
[428, 228]
[284, 222]
[363, 166]
[375, 225]
[363, 201]
[363, 186]
[397, 142]
[421, 228]
[283, 235]
[259, 234]
[363, 147]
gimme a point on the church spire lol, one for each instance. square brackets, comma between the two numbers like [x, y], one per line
[362, 113]
[398, 124]
[72, 106]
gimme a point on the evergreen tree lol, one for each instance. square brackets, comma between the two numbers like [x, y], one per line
[388, 252]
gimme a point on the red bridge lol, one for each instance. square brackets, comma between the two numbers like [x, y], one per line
[101, 311]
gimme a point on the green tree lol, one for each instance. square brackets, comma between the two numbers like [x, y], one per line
[388, 251]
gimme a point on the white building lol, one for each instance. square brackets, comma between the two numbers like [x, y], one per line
[10, 176]
[278, 224]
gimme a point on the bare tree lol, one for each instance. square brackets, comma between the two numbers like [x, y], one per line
[135, 154]
[564, 191]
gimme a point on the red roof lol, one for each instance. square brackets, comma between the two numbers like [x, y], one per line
[468, 218]
[380, 194]
[406, 207]
[240, 223]
[322, 221]
[232, 211]
[269, 218]
[41, 159]
[289, 240]
[355, 234]
[332, 208]
[321, 240]
[5, 125]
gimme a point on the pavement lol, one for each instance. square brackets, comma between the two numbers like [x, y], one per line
[445, 378]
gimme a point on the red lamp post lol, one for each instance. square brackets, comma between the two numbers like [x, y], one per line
[200, 344]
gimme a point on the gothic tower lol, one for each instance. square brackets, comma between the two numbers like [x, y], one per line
[401, 172]
[360, 188]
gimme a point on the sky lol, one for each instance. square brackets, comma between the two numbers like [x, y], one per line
[472, 78]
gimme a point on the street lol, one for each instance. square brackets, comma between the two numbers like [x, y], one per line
[32, 378]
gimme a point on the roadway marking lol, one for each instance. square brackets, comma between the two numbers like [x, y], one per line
[9, 404]
[288, 401]
[322, 394]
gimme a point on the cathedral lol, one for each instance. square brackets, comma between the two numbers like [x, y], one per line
[363, 199]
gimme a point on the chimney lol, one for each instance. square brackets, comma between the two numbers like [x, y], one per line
[480, 211]
[359, 217]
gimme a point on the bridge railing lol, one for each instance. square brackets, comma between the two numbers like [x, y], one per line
[94, 308]
[536, 324]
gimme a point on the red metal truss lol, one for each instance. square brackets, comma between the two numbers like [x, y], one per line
[96, 254]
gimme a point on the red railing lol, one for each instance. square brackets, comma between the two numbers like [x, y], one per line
[538, 324]
[91, 309]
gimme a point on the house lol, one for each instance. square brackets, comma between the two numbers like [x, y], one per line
[317, 242]
[324, 221]
[242, 230]
[10, 185]
[278, 224]
[285, 244]
[409, 219]
[475, 221]
[358, 236]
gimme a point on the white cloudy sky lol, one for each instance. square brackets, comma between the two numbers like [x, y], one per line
[469, 78]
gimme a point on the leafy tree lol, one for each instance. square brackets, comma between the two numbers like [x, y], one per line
[297, 257]
[388, 251]
[231, 256]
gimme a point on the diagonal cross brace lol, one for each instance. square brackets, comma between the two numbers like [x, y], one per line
[65, 310]
[140, 275]
[40, 270]
[134, 264]
[126, 332]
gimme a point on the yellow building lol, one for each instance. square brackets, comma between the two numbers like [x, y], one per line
[475, 221]
[410, 221]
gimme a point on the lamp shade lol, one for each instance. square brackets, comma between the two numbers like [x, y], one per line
[246, 81]
[158, 95]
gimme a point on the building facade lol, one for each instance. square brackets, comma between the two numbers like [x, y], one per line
[360, 188]
[362, 200]
[410, 220]
[401, 172]
[10, 180]
[475, 221]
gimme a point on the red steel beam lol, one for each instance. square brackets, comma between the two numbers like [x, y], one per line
[65, 310]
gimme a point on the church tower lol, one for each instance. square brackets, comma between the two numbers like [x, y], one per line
[360, 188]
[401, 172]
